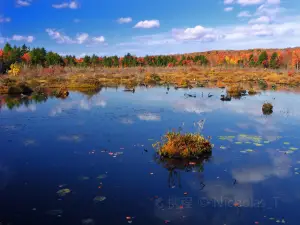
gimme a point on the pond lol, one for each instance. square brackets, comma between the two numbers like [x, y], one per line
[88, 159]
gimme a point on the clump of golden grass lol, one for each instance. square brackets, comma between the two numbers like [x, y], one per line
[236, 91]
[267, 108]
[252, 91]
[178, 145]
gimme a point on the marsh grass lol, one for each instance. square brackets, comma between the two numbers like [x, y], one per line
[236, 91]
[179, 145]
[181, 77]
[252, 91]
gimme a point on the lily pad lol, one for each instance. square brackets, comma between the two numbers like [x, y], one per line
[293, 148]
[238, 143]
[228, 138]
[63, 192]
[258, 144]
[99, 198]
[83, 178]
[286, 143]
[249, 150]
[266, 142]
[222, 147]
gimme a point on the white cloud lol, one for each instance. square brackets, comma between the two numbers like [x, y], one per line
[275, 2]
[59, 37]
[149, 117]
[228, 9]
[196, 33]
[82, 104]
[250, 2]
[99, 39]
[227, 2]
[71, 5]
[4, 19]
[268, 10]
[23, 3]
[262, 19]
[81, 38]
[15, 37]
[124, 20]
[147, 24]
[244, 14]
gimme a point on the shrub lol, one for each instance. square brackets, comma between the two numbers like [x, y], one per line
[252, 91]
[15, 69]
[236, 91]
[177, 145]
[267, 108]
[262, 84]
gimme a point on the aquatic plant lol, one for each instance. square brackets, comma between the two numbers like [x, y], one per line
[252, 91]
[262, 84]
[152, 78]
[236, 91]
[267, 108]
[61, 93]
[178, 145]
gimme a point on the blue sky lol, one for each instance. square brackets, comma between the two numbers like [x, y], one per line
[156, 27]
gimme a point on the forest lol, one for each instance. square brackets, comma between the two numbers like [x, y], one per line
[13, 58]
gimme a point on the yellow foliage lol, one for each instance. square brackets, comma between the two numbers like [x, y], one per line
[15, 69]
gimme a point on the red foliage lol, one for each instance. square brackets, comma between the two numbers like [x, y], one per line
[80, 60]
[26, 57]
[1, 52]
[291, 73]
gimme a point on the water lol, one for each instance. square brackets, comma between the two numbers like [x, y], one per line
[101, 145]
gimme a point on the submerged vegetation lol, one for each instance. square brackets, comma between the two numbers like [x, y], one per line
[178, 145]
[267, 108]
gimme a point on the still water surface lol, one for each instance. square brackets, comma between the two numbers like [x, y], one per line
[89, 160]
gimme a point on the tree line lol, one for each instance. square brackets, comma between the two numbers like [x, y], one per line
[24, 55]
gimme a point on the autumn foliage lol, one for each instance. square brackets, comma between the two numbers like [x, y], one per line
[288, 59]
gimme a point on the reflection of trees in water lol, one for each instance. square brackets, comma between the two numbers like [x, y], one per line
[90, 92]
[18, 101]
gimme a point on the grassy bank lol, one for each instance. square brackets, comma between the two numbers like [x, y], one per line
[181, 77]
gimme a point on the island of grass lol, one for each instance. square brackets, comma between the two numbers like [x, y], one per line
[183, 146]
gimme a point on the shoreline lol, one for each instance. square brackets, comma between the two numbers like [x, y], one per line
[181, 77]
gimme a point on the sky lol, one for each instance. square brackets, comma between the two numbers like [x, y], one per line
[86, 27]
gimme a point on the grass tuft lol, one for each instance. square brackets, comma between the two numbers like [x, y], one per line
[178, 145]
